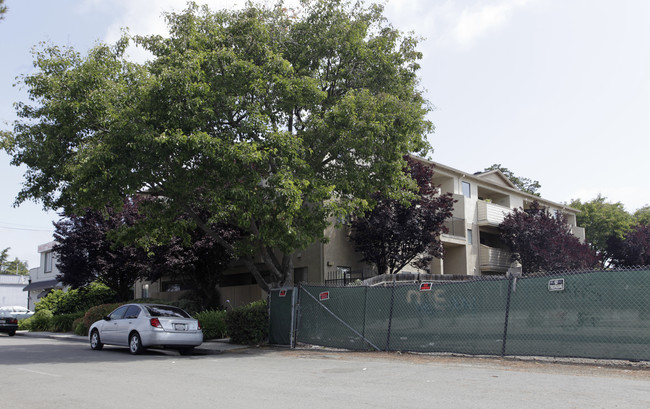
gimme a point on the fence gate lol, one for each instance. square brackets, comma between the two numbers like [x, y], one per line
[282, 303]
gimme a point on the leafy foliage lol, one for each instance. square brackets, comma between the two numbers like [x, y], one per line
[633, 249]
[15, 267]
[602, 219]
[76, 300]
[40, 321]
[65, 322]
[87, 253]
[213, 323]
[254, 118]
[523, 184]
[642, 215]
[248, 324]
[543, 242]
[197, 261]
[394, 233]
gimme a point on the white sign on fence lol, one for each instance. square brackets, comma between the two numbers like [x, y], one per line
[556, 284]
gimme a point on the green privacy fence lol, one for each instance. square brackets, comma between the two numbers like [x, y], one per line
[596, 314]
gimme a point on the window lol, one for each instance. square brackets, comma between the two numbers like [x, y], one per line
[166, 311]
[118, 313]
[132, 312]
[467, 189]
[469, 237]
[343, 272]
[47, 264]
[145, 291]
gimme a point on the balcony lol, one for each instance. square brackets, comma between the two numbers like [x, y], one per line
[493, 259]
[456, 231]
[490, 214]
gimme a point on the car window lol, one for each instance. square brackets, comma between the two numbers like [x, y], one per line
[118, 313]
[132, 312]
[166, 311]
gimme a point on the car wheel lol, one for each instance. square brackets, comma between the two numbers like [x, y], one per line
[12, 333]
[135, 345]
[186, 351]
[95, 341]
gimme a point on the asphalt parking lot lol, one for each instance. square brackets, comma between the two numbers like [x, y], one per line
[60, 373]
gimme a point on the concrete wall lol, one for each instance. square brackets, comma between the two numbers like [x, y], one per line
[11, 290]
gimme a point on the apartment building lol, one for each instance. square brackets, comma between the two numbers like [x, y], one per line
[42, 279]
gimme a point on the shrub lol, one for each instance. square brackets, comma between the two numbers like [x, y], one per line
[248, 324]
[26, 324]
[94, 314]
[213, 323]
[75, 300]
[79, 328]
[41, 321]
[64, 322]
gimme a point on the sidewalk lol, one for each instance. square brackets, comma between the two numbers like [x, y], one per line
[209, 347]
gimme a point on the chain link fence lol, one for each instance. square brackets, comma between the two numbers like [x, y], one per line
[589, 314]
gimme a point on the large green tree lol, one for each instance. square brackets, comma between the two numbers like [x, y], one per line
[271, 120]
[642, 215]
[601, 220]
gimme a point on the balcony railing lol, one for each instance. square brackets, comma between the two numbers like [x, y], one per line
[455, 227]
[493, 259]
[490, 214]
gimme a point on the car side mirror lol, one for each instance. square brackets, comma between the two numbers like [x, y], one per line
[106, 318]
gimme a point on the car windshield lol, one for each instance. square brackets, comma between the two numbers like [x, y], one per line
[166, 311]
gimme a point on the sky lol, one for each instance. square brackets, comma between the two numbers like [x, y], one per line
[556, 91]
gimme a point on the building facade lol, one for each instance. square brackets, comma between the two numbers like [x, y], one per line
[42, 279]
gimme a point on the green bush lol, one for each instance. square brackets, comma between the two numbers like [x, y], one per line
[41, 321]
[26, 324]
[64, 322]
[76, 300]
[79, 328]
[248, 324]
[94, 314]
[213, 323]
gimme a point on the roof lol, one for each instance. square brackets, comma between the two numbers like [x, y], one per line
[41, 285]
[487, 178]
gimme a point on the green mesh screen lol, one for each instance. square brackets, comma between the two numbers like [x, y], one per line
[601, 314]
[280, 305]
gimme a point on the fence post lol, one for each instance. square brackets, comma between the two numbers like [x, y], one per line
[390, 316]
[505, 325]
[365, 309]
[295, 312]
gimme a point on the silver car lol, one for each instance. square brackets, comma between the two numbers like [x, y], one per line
[17, 311]
[140, 326]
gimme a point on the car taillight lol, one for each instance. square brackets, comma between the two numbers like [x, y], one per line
[13, 320]
[199, 323]
[155, 322]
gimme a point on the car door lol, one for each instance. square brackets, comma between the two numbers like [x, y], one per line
[108, 331]
[126, 323]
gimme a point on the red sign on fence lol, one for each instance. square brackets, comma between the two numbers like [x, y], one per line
[426, 286]
[283, 293]
[325, 295]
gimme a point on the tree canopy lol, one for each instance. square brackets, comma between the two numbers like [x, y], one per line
[523, 184]
[394, 234]
[601, 220]
[87, 254]
[267, 119]
[631, 250]
[542, 241]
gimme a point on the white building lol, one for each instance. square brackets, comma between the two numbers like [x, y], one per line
[42, 279]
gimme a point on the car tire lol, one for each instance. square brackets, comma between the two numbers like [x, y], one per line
[186, 351]
[95, 341]
[12, 333]
[135, 344]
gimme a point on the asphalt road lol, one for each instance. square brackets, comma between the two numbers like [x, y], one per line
[48, 373]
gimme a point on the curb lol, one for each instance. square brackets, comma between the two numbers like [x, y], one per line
[214, 348]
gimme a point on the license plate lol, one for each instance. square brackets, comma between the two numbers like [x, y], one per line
[180, 327]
